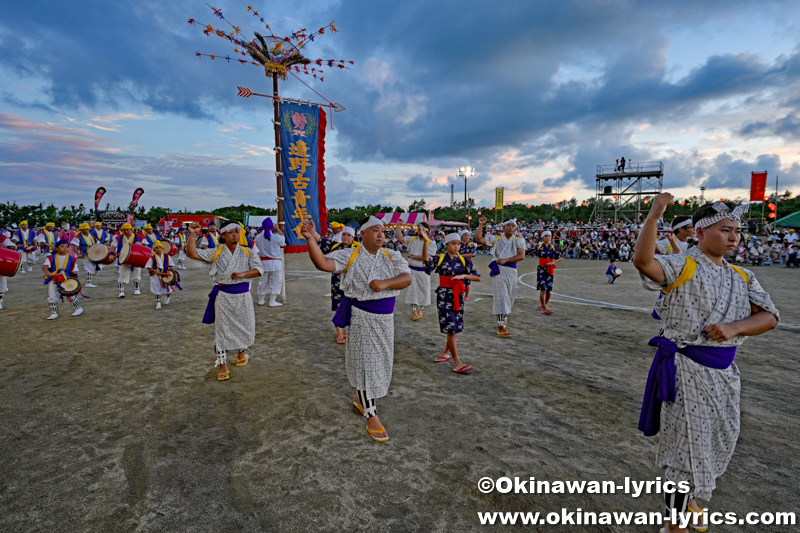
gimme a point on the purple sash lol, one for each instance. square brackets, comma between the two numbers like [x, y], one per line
[660, 385]
[494, 268]
[384, 306]
[418, 269]
[210, 316]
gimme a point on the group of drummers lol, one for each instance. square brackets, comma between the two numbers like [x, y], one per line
[96, 247]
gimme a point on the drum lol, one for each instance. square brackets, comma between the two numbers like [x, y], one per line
[30, 248]
[135, 255]
[170, 278]
[10, 262]
[69, 288]
[168, 246]
[100, 253]
[174, 250]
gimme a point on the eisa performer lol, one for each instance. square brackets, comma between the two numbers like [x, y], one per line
[371, 278]
[692, 395]
[57, 268]
[158, 265]
[126, 237]
[230, 306]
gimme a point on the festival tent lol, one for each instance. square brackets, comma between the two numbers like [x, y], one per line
[177, 221]
[411, 219]
[792, 220]
[436, 223]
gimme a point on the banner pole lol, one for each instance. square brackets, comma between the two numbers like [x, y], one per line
[278, 176]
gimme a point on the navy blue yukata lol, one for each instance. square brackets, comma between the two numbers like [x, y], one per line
[450, 320]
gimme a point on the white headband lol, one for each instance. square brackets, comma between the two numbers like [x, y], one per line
[687, 222]
[229, 227]
[546, 232]
[450, 237]
[373, 221]
[511, 221]
[723, 212]
[349, 230]
[464, 232]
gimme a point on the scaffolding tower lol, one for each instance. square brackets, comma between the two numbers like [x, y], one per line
[623, 193]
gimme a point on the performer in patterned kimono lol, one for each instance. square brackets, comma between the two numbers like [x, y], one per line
[418, 294]
[453, 270]
[678, 241]
[507, 249]
[230, 306]
[371, 280]
[346, 240]
[127, 236]
[47, 238]
[57, 267]
[709, 306]
[468, 250]
[80, 244]
[157, 265]
[25, 238]
[549, 254]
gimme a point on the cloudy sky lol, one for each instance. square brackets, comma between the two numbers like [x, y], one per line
[533, 94]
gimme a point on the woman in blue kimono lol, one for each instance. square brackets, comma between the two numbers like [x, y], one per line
[453, 270]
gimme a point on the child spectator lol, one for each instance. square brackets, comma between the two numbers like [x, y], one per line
[612, 273]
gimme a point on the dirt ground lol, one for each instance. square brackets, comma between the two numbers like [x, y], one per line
[114, 421]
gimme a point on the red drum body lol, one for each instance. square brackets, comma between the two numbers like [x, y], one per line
[10, 262]
[135, 255]
[168, 246]
[174, 250]
[100, 253]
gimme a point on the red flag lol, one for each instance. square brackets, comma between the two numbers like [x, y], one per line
[136, 195]
[98, 195]
[758, 185]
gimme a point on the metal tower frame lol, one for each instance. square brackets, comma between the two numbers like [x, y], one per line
[629, 187]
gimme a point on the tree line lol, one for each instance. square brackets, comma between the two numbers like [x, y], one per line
[564, 211]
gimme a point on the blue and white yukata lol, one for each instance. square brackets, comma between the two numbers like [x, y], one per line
[450, 320]
[418, 294]
[544, 274]
[337, 294]
[700, 427]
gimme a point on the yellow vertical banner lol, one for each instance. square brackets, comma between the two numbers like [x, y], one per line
[498, 204]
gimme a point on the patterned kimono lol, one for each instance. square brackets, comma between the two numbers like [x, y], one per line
[337, 294]
[664, 247]
[544, 279]
[450, 320]
[235, 324]
[700, 428]
[468, 248]
[369, 351]
[419, 292]
[504, 285]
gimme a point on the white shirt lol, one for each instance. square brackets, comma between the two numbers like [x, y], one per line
[270, 248]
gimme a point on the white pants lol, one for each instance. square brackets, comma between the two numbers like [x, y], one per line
[125, 274]
[90, 266]
[53, 296]
[3, 284]
[270, 283]
[181, 256]
[157, 288]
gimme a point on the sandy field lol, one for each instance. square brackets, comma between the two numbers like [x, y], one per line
[114, 421]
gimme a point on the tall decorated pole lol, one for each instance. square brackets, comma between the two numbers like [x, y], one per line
[279, 56]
